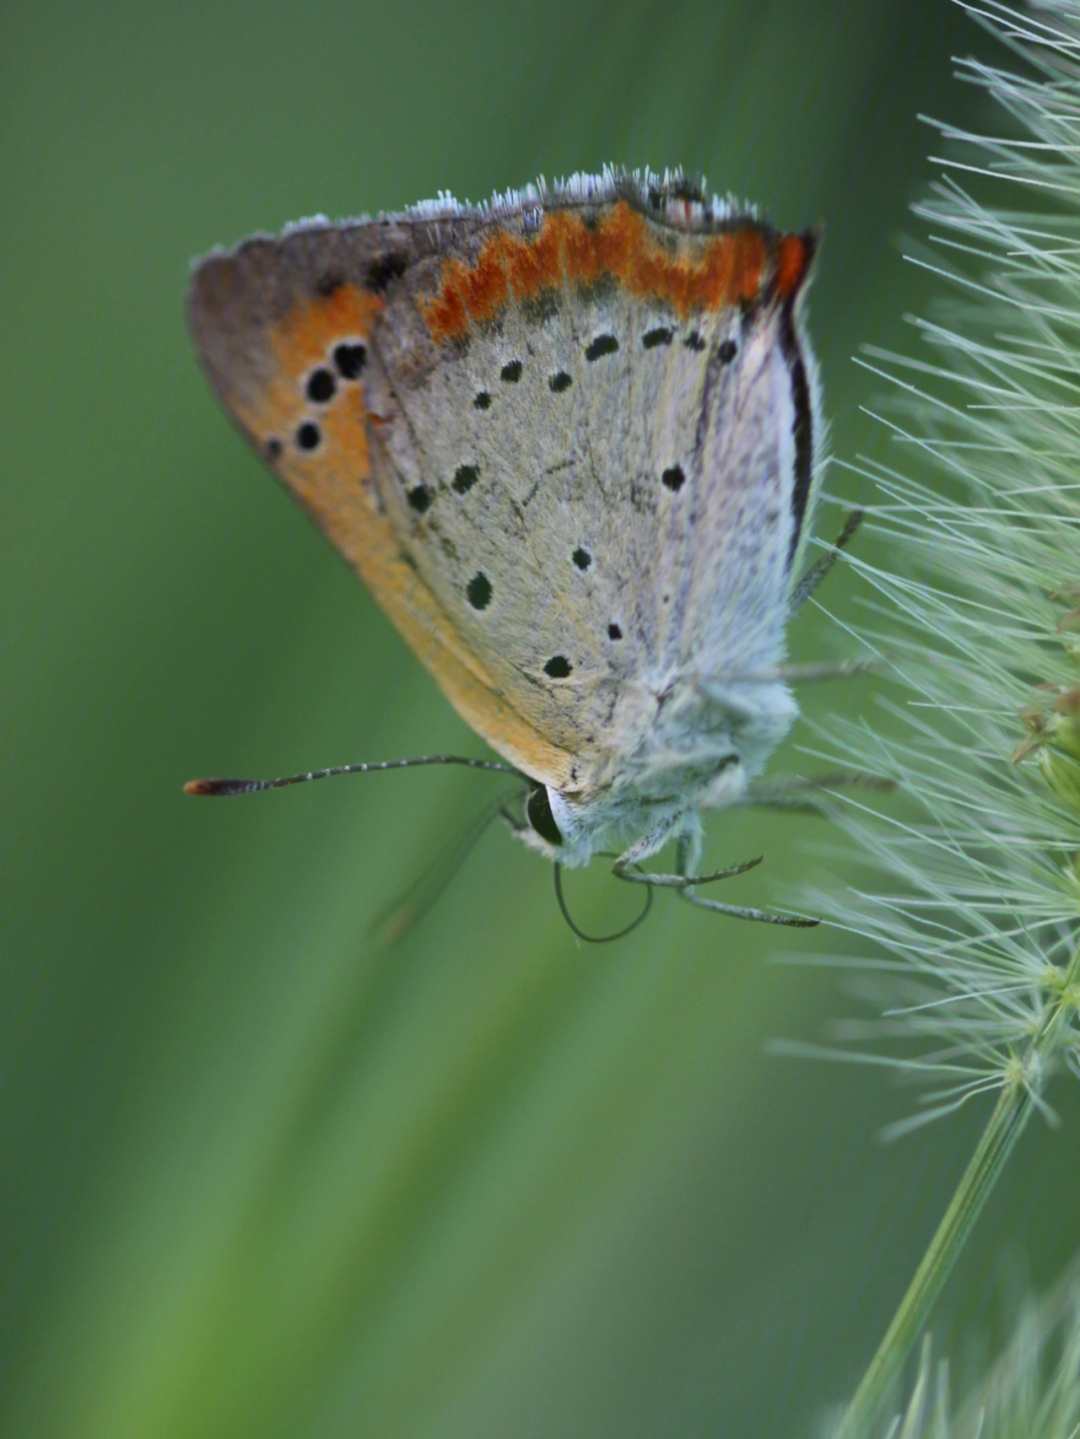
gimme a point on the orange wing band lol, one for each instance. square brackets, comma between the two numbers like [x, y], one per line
[727, 269]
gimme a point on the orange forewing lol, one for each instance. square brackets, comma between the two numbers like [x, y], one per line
[335, 485]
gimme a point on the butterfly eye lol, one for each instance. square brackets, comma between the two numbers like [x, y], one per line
[538, 813]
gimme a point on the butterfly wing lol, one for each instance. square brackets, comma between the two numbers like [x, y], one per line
[588, 445]
[538, 432]
[284, 329]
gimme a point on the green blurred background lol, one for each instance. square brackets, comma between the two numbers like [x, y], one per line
[259, 1176]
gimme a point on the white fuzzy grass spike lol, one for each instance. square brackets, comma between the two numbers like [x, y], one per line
[969, 918]
[976, 904]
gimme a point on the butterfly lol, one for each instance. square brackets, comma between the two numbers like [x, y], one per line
[570, 441]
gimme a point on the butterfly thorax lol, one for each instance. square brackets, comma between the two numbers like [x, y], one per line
[704, 745]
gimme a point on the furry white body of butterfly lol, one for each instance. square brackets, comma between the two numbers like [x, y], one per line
[575, 460]
[663, 795]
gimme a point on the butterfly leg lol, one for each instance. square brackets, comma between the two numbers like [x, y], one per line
[680, 881]
[684, 882]
[688, 856]
[738, 911]
[820, 568]
[792, 792]
[688, 851]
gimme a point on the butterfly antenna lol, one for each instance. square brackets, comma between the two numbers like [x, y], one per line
[599, 938]
[249, 786]
[395, 919]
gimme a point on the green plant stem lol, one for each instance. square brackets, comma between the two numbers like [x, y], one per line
[1006, 1124]
[1005, 1127]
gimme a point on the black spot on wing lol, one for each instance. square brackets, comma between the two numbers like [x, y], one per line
[385, 268]
[602, 345]
[478, 591]
[560, 382]
[465, 476]
[308, 436]
[511, 373]
[662, 335]
[595, 292]
[558, 667]
[542, 306]
[321, 386]
[350, 359]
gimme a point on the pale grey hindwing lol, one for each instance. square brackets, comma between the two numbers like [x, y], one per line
[744, 522]
[598, 492]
